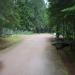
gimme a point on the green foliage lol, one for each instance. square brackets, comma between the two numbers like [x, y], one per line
[32, 15]
[69, 9]
[62, 17]
[26, 15]
[9, 18]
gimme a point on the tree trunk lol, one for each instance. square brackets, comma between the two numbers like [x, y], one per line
[57, 32]
[1, 31]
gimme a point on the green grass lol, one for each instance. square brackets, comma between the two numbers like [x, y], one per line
[28, 33]
[25, 32]
[12, 38]
[8, 41]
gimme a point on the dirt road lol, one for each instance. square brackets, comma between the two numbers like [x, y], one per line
[33, 56]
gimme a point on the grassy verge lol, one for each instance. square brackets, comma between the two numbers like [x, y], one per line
[24, 33]
[8, 41]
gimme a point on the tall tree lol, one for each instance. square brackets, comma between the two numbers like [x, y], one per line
[58, 20]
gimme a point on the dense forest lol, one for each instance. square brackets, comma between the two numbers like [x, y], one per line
[54, 16]
[62, 16]
[23, 15]
[62, 22]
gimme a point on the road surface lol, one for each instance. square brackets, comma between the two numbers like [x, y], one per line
[33, 56]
